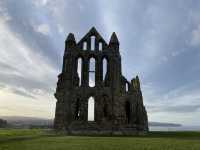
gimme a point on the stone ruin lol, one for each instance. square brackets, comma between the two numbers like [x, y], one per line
[93, 97]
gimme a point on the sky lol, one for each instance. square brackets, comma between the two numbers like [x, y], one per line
[159, 41]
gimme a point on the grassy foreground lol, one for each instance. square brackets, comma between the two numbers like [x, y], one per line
[35, 139]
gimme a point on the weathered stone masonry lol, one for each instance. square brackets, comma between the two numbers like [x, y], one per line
[118, 103]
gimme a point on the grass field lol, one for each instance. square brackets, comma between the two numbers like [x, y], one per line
[35, 139]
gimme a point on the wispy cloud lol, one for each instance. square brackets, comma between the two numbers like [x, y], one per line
[20, 66]
[43, 28]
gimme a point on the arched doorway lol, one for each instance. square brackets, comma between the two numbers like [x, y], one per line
[91, 109]
[127, 111]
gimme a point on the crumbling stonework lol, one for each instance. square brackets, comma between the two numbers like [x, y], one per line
[118, 103]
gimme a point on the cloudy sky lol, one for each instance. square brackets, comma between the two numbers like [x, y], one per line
[159, 41]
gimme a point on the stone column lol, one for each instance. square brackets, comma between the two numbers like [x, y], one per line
[85, 81]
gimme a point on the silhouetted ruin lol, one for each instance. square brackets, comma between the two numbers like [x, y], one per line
[93, 97]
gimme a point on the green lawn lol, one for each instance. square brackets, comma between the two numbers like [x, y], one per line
[34, 139]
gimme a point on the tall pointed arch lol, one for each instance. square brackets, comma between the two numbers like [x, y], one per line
[92, 72]
[104, 68]
[126, 87]
[92, 42]
[79, 69]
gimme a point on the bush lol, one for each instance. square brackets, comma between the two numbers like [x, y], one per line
[3, 123]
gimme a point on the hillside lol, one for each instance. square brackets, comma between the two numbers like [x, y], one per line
[26, 121]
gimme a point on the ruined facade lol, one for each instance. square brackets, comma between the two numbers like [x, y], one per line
[93, 97]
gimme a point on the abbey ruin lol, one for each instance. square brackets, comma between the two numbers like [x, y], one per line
[93, 97]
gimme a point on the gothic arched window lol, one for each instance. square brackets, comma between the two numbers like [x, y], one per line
[91, 107]
[79, 69]
[92, 43]
[105, 110]
[127, 87]
[84, 45]
[100, 46]
[128, 111]
[92, 72]
[105, 68]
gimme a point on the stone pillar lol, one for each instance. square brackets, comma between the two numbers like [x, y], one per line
[85, 73]
[98, 72]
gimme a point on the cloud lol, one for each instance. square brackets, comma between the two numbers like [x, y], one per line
[43, 28]
[23, 93]
[6, 67]
[25, 25]
[21, 67]
[174, 109]
[39, 3]
[195, 41]
[180, 105]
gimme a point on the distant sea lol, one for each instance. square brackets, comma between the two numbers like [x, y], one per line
[178, 128]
